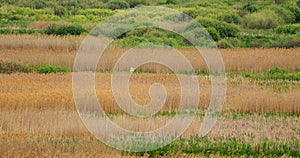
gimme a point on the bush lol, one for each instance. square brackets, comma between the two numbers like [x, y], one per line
[134, 3]
[275, 73]
[249, 8]
[50, 69]
[224, 29]
[286, 42]
[11, 67]
[215, 35]
[224, 44]
[18, 31]
[65, 29]
[263, 20]
[295, 10]
[117, 4]
[229, 43]
[193, 12]
[96, 12]
[171, 2]
[60, 11]
[285, 14]
[230, 18]
[276, 70]
[288, 29]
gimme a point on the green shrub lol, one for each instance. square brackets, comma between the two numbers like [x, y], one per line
[276, 70]
[224, 29]
[117, 4]
[71, 29]
[295, 10]
[291, 41]
[288, 29]
[18, 31]
[19, 23]
[249, 7]
[134, 3]
[96, 12]
[11, 67]
[16, 17]
[46, 68]
[148, 34]
[200, 37]
[77, 19]
[275, 73]
[60, 11]
[193, 12]
[224, 44]
[230, 17]
[215, 35]
[262, 20]
[171, 2]
[285, 14]
[229, 43]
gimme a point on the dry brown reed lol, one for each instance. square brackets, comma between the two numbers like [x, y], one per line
[61, 51]
[54, 91]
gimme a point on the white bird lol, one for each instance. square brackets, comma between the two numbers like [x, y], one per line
[131, 69]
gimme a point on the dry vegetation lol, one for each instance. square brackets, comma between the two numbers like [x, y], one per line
[38, 115]
[54, 92]
[61, 51]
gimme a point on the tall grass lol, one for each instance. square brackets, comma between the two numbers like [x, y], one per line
[54, 91]
[61, 51]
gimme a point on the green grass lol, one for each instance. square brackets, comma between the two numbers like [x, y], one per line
[11, 23]
[226, 147]
[199, 146]
[13, 67]
[19, 31]
[274, 74]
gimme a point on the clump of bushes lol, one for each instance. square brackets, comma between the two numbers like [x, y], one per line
[290, 41]
[284, 13]
[295, 10]
[46, 68]
[134, 3]
[224, 29]
[288, 29]
[230, 18]
[117, 4]
[229, 43]
[18, 31]
[215, 35]
[261, 20]
[249, 7]
[70, 29]
[11, 67]
[275, 73]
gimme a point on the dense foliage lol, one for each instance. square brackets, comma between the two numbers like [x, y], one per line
[231, 23]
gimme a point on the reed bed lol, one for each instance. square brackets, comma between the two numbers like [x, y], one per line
[54, 91]
[61, 51]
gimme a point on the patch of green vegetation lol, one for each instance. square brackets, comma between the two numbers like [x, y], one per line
[225, 147]
[71, 29]
[10, 23]
[12, 67]
[255, 24]
[19, 31]
[240, 115]
[46, 68]
[274, 74]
